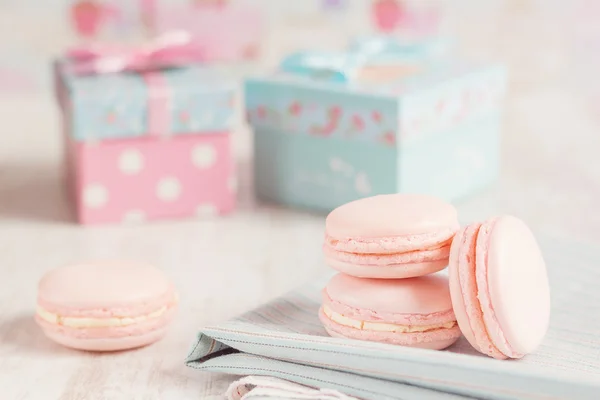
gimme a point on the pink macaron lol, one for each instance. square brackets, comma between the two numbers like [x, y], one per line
[105, 306]
[499, 287]
[415, 312]
[390, 236]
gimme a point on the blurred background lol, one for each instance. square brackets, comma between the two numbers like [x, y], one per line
[550, 169]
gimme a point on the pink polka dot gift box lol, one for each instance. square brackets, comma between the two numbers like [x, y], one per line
[147, 132]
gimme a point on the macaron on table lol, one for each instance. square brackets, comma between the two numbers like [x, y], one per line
[389, 250]
[105, 306]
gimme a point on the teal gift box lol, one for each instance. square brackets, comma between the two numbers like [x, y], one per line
[332, 128]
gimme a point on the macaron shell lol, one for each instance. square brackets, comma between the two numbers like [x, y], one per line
[457, 256]
[518, 311]
[423, 295]
[107, 344]
[398, 271]
[435, 340]
[465, 292]
[102, 284]
[390, 215]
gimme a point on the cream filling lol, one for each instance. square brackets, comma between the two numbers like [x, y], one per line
[82, 322]
[382, 326]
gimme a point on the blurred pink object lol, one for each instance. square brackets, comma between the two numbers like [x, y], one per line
[226, 31]
[170, 49]
[388, 14]
[145, 179]
[89, 15]
[86, 17]
[394, 15]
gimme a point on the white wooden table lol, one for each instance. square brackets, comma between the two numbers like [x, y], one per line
[550, 177]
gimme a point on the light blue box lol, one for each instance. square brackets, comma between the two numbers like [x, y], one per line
[196, 100]
[320, 143]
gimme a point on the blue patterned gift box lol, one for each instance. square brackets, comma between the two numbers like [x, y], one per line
[323, 136]
[110, 106]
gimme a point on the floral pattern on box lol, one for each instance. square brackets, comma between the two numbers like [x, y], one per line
[458, 101]
[321, 120]
[422, 104]
[117, 105]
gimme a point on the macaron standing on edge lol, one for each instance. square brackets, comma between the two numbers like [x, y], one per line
[414, 312]
[390, 236]
[105, 306]
[499, 287]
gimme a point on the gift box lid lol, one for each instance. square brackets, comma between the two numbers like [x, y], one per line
[330, 95]
[182, 100]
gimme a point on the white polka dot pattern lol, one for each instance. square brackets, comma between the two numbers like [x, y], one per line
[131, 162]
[168, 189]
[138, 180]
[95, 195]
[204, 156]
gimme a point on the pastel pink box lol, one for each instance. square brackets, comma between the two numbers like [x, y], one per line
[134, 180]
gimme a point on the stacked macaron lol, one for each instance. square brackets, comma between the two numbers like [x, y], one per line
[388, 248]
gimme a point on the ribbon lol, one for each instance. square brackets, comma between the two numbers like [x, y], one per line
[333, 67]
[173, 49]
[169, 50]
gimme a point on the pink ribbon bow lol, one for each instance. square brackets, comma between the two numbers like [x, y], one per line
[168, 50]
